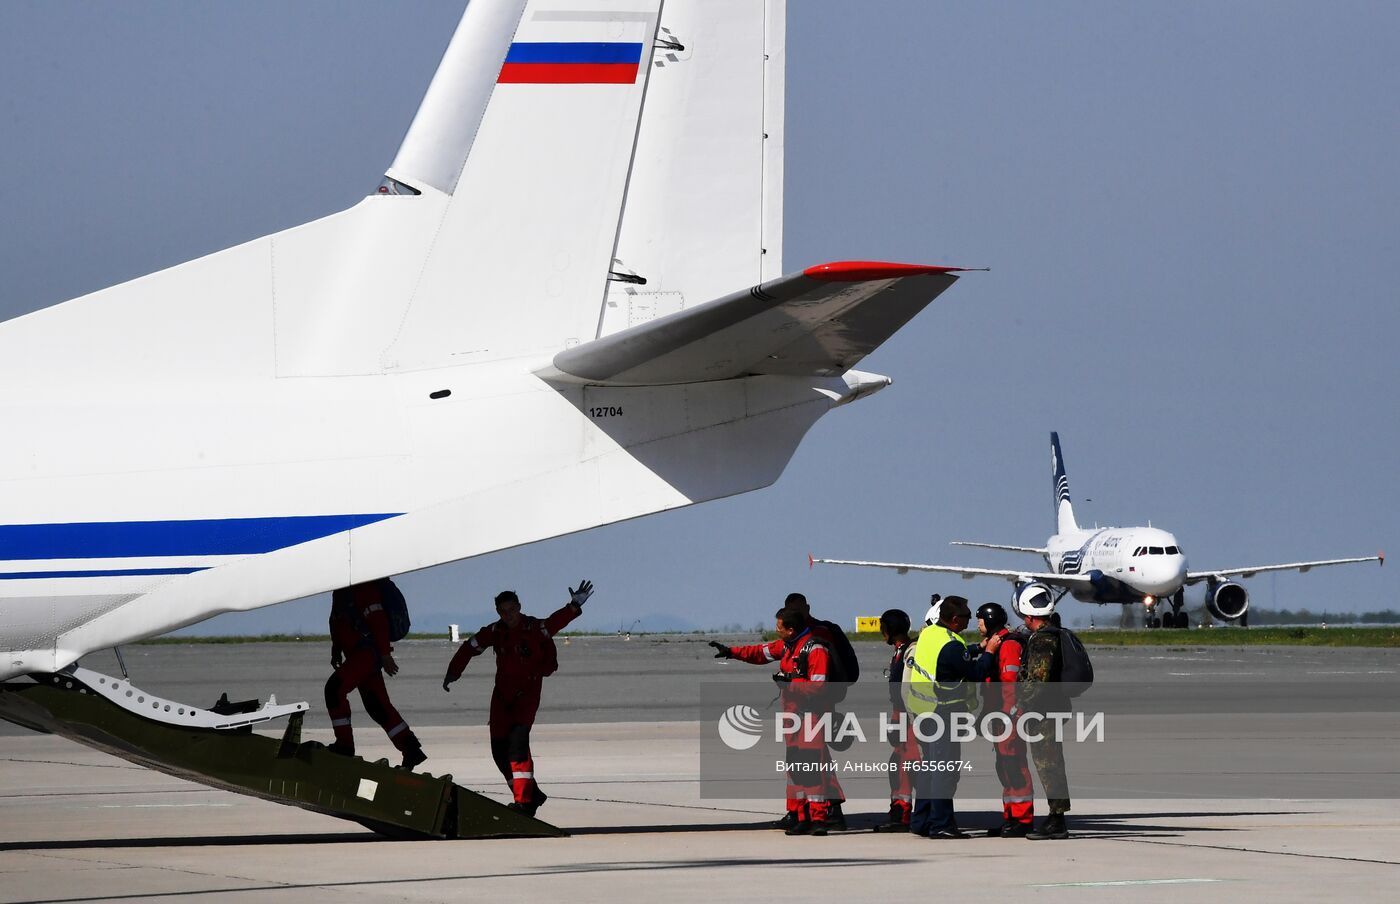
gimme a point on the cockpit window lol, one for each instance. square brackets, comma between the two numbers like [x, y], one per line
[1154, 551]
[1173, 551]
[1140, 550]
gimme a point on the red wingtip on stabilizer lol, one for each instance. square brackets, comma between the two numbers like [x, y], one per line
[857, 271]
[1381, 555]
[811, 562]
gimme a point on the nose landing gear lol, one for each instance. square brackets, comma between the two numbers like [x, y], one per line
[1176, 618]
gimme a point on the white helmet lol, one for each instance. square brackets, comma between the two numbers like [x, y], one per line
[1034, 599]
[931, 616]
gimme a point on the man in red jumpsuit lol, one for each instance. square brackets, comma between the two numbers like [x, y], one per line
[999, 695]
[525, 656]
[838, 648]
[360, 654]
[803, 664]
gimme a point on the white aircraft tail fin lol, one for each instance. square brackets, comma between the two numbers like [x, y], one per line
[703, 215]
[530, 126]
[1064, 509]
[492, 236]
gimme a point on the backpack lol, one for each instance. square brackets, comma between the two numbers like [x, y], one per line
[1075, 665]
[843, 655]
[396, 608]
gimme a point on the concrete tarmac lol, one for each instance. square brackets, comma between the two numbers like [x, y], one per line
[617, 751]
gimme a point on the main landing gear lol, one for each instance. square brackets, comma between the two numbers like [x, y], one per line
[1176, 618]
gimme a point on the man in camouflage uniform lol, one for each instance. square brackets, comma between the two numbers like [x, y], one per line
[1038, 691]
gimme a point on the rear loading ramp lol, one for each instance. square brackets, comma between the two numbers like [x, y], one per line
[393, 802]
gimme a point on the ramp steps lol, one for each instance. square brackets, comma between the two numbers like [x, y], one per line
[392, 801]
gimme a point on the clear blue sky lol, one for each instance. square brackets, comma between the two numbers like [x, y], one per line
[1191, 211]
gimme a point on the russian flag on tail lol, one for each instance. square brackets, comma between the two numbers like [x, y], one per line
[576, 63]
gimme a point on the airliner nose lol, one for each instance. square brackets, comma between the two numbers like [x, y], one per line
[1167, 574]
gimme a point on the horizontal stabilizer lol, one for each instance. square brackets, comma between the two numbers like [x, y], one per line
[1067, 581]
[1002, 546]
[820, 322]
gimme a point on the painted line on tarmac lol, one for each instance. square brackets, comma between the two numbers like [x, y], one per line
[149, 806]
[69, 763]
[147, 791]
[639, 803]
[1369, 672]
[1217, 674]
[1246, 850]
[1121, 882]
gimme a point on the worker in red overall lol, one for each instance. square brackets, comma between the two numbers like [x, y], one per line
[525, 656]
[999, 695]
[803, 664]
[845, 671]
[360, 655]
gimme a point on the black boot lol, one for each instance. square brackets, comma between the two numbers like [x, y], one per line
[1052, 828]
[895, 822]
[801, 827]
[532, 807]
[342, 748]
[1016, 830]
[835, 819]
[788, 821]
[999, 831]
[952, 832]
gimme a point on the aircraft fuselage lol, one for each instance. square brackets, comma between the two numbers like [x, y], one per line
[1128, 564]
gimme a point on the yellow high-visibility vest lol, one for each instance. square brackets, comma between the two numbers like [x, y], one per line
[921, 692]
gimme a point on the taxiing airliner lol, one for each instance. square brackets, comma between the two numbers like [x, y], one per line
[1116, 565]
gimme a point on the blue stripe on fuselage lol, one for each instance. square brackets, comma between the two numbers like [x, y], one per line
[112, 573]
[131, 539]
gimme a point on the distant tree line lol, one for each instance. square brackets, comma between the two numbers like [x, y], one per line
[1259, 617]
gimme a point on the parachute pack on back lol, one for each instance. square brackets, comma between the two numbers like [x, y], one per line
[396, 608]
[1076, 669]
[843, 654]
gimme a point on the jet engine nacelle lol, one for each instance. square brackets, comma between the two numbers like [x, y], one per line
[1227, 600]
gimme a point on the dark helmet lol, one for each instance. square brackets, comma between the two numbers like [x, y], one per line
[895, 621]
[993, 615]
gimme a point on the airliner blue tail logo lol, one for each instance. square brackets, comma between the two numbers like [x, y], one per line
[1072, 562]
[1057, 465]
